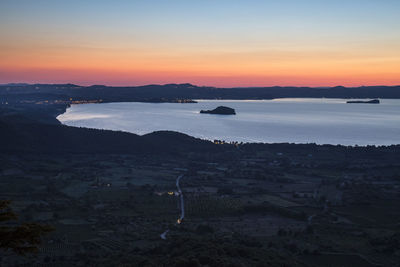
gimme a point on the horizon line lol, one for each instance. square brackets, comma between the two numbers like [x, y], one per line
[191, 84]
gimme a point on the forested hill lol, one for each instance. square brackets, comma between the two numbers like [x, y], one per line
[171, 92]
[34, 137]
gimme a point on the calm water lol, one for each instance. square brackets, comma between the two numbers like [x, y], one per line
[322, 121]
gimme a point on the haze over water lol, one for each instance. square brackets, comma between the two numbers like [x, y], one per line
[321, 121]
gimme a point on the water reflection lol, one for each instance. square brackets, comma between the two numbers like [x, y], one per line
[302, 120]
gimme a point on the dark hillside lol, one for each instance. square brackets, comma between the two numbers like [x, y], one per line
[36, 137]
[174, 141]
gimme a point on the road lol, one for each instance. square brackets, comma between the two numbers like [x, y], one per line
[181, 199]
[182, 206]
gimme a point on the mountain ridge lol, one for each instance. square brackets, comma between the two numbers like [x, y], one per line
[176, 92]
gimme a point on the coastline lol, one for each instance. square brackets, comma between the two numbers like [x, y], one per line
[220, 138]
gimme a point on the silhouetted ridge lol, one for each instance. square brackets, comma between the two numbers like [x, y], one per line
[172, 92]
[19, 133]
[176, 141]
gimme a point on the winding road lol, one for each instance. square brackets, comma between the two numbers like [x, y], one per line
[182, 207]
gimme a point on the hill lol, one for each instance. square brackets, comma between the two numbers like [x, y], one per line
[31, 136]
[179, 92]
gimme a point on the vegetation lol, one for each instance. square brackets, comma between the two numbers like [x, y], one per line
[20, 238]
[110, 195]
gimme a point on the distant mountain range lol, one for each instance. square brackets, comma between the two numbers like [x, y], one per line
[173, 92]
[15, 84]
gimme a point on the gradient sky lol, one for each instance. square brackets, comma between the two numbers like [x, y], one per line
[204, 42]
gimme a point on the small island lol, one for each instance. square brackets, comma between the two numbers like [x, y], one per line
[221, 110]
[373, 101]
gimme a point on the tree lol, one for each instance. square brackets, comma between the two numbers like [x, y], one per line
[20, 238]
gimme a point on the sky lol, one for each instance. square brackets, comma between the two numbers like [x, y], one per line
[225, 43]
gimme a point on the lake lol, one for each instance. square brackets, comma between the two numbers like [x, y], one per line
[302, 120]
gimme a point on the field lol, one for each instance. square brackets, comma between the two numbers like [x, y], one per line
[105, 205]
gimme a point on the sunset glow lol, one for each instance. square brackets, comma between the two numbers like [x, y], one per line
[216, 43]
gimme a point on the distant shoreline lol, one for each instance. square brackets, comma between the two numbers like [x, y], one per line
[181, 93]
[195, 101]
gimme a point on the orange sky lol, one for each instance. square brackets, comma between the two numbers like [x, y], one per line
[45, 46]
